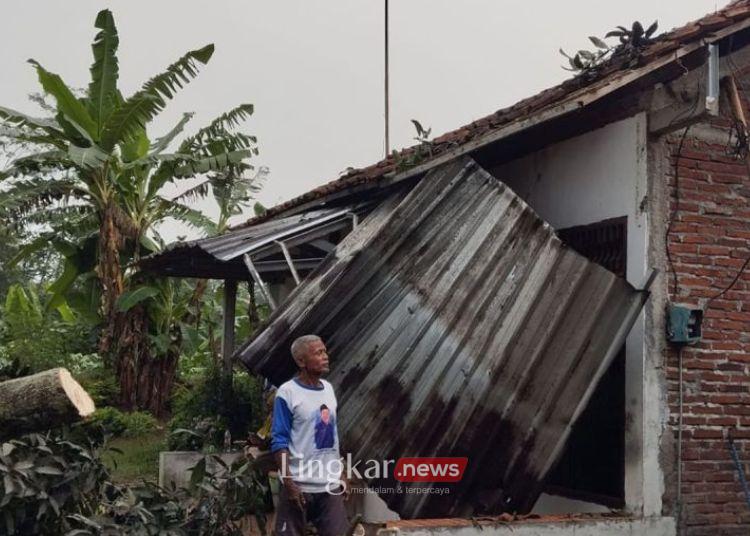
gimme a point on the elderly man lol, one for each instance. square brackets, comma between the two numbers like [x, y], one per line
[304, 440]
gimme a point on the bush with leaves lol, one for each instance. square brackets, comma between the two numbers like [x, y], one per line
[11, 368]
[419, 153]
[56, 484]
[111, 420]
[98, 381]
[632, 40]
[46, 477]
[118, 423]
[215, 504]
[139, 423]
[204, 411]
[39, 337]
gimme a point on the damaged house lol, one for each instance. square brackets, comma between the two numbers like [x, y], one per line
[556, 292]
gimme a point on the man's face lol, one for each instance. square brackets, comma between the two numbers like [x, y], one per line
[316, 360]
[325, 415]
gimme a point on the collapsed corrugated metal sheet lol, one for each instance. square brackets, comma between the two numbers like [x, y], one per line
[221, 256]
[458, 324]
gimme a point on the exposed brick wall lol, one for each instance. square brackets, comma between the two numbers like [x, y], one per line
[708, 243]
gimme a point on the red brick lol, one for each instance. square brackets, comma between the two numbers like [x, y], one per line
[707, 434]
[726, 345]
[728, 179]
[691, 249]
[714, 250]
[721, 421]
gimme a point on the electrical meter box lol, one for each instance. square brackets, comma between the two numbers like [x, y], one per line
[684, 324]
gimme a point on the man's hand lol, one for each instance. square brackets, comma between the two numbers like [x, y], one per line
[295, 494]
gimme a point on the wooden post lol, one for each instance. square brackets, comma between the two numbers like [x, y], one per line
[227, 341]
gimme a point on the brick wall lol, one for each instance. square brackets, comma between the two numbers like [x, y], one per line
[708, 243]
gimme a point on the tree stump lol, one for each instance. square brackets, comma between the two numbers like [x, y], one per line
[41, 401]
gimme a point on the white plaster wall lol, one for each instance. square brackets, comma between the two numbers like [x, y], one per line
[600, 175]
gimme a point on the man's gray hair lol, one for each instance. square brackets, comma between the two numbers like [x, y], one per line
[299, 346]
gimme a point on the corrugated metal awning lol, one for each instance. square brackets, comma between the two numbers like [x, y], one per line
[221, 257]
[458, 324]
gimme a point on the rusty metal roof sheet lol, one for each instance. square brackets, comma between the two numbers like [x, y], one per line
[458, 324]
[574, 90]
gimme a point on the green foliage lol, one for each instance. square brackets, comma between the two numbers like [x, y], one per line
[91, 160]
[214, 505]
[139, 423]
[131, 116]
[105, 69]
[117, 423]
[38, 338]
[201, 341]
[56, 484]
[204, 411]
[631, 41]
[112, 420]
[98, 381]
[94, 156]
[136, 459]
[419, 153]
[11, 368]
[43, 479]
[137, 295]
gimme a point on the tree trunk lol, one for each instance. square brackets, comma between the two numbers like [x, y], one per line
[110, 277]
[146, 380]
[193, 315]
[155, 383]
[132, 353]
[41, 401]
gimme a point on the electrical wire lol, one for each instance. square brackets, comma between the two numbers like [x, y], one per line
[679, 439]
[676, 208]
[739, 153]
[679, 117]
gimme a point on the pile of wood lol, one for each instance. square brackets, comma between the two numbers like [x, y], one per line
[41, 401]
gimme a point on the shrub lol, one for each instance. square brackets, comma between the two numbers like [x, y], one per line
[11, 368]
[208, 410]
[213, 505]
[112, 420]
[139, 423]
[43, 479]
[39, 338]
[98, 381]
[55, 484]
[117, 423]
[201, 434]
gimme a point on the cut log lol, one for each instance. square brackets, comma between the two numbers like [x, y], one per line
[41, 401]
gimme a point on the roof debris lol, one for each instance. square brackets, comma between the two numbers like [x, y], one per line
[459, 325]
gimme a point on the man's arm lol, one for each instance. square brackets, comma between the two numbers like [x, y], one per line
[281, 433]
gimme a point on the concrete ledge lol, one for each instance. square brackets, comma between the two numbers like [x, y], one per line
[175, 466]
[543, 526]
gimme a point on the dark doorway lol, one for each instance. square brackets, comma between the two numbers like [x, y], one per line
[592, 467]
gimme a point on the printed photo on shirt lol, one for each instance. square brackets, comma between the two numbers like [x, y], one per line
[325, 428]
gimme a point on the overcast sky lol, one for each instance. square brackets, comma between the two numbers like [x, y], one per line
[314, 69]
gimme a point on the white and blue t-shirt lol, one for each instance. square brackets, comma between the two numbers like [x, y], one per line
[304, 423]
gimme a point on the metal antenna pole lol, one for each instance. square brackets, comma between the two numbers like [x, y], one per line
[387, 106]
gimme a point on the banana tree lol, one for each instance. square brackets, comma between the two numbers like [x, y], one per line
[94, 157]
